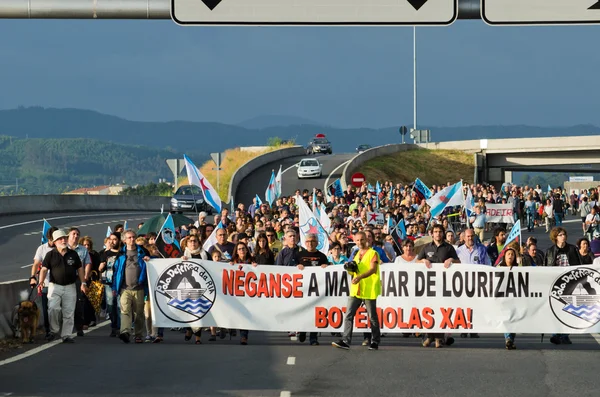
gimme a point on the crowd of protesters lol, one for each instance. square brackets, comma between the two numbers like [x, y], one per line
[263, 234]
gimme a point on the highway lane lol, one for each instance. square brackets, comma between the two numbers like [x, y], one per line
[272, 365]
[21, 235]
[256, 183]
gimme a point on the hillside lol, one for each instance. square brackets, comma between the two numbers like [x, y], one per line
[207, 137]
[45, 166]
[431, 166]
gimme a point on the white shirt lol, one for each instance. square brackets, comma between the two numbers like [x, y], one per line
[40, 254]
[400, 259]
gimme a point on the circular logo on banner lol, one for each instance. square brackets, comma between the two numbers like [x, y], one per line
[185, 292]
[574, 298]
[168, 235]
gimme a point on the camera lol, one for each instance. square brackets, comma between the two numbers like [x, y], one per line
[351, 267]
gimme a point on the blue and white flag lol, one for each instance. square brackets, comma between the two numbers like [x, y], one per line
[271, 192]
[212, 239]
[258, 201]
[166, 240]
[278, 181]
[422, 189]
[309, 224]
[549, 189]
[514, 235]
[469, 203]
[399, 234]
[108, 233]
[196, 178]
[370, 187]
[390, 224]
[125, 225]
[448, 197]
[391, 196]
[335, 189]
[45, 227]
[232, 209]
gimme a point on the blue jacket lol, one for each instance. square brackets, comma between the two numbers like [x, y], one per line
[119, 269]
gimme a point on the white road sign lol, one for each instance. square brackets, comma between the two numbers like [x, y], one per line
[314, 12]
[540, 12]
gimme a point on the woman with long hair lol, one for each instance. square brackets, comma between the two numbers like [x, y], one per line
[263, 254]
[242, 256]
[509, 259]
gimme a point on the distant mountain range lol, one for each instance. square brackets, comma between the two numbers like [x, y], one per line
[267, 121]
[207, 137]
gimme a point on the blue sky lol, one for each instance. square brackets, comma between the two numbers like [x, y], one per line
[469, 73]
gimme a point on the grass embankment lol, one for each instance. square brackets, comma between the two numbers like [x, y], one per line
[233, 159]
[431, 166]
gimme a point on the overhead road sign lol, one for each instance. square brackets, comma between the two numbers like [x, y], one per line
[314, 12]
[540, 12]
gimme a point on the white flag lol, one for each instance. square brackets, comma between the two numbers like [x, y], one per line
[310, 224]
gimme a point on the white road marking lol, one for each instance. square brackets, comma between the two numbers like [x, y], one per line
[293, 338]
[596, 337]
[291, 360]
[23, 267]
[333, 172]
[289, 168]
[285, 393]
[45, 346]
[58, 217]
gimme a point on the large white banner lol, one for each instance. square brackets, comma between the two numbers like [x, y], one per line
[499, 213]
[463, 298]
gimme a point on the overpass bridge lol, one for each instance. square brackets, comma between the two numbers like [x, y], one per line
[497, 159]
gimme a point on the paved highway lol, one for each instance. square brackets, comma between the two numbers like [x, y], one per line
[257, 182]
[272, 365]
[21, 235]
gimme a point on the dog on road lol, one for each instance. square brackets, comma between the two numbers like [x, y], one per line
[29, 316]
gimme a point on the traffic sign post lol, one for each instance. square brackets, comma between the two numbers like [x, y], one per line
[176, 166]
[403, 131]
[358, 179]
[540, 12]
[314, 12]
[218, 159]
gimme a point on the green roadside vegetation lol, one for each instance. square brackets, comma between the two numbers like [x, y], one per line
[431, 166]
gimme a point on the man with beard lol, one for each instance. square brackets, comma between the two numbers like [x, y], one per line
[438, 251]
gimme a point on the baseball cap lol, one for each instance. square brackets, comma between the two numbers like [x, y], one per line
[59, 234]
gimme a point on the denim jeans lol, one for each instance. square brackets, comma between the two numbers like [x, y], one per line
[112, 308]
[510, 336]
[558, 217]
[530, 218]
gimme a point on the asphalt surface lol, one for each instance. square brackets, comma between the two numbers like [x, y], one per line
[21, 235]
[102, 366]
[257, 182]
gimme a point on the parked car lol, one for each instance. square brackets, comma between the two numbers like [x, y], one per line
[189, 198]
[309, 168]
[319, 144]
[362, 148]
